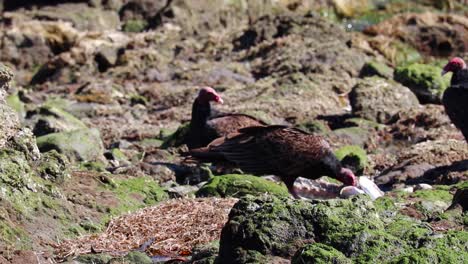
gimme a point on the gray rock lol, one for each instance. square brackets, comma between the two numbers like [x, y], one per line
[49, 119]
[77, 145]
[379, 100]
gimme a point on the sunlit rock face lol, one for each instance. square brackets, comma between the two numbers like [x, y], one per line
[9, 124]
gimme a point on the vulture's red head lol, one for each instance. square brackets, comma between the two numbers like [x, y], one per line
[454, 65]
[347, 177]
[208, 94]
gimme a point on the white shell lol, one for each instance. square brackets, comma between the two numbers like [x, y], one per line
[349, 191]
[370, 188]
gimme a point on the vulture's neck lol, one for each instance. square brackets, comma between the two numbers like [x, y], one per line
[201, 111]
[460, 77]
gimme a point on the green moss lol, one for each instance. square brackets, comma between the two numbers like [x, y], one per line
[14, 236]
[54, 166]
[151, 142]
[238, 185]
[408, 230]
[320, 254]
[19, 185]
[136, 193]
[314, 126]
[353, 157]
[424, 80]
[118, 155]
[375, 68]
[138, 99]
[14, 102]
[92, 166]
[403, 54]
[135, 26]
[433, 195]
[451, 247]
[334, 224]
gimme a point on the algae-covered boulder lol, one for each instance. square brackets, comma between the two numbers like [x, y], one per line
[318, 253]
[353, 157]
[424, 80]
[266, 225]
[379, 100]
[9, 124]
[238, 185]
[50, 119]
[355, 230]
[77, 145]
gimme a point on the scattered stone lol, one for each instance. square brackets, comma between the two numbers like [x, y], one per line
[49, 119]
[379, 100]
[77, 145]
[422, 186]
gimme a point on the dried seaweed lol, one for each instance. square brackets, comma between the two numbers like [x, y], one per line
[170, 228]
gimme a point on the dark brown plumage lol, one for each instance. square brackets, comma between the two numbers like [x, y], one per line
[279, 150]
[205, 127]
[455, 98]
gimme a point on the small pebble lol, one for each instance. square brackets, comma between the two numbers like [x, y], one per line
[408, 189]
[422, 186]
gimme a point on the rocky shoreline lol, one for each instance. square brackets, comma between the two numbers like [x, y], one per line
[95, 98]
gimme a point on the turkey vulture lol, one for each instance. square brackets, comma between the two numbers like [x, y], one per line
[455, 98]
[205, 127]
[280, 150]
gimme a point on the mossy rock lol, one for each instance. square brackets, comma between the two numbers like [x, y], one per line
[353, 230]
[13, 235]
[77, 145]
[265, 225]
[54, 166]
[379, 100]
[50, 119]
[318, 253]
[135, 193]
[239, 185]
[135, 26]
[451, 247]
[353, 157]
[16, 104]
[177, 138]
[315, 126]
[424, 80]
[375, 68]
[117, 155]
[205, 254]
